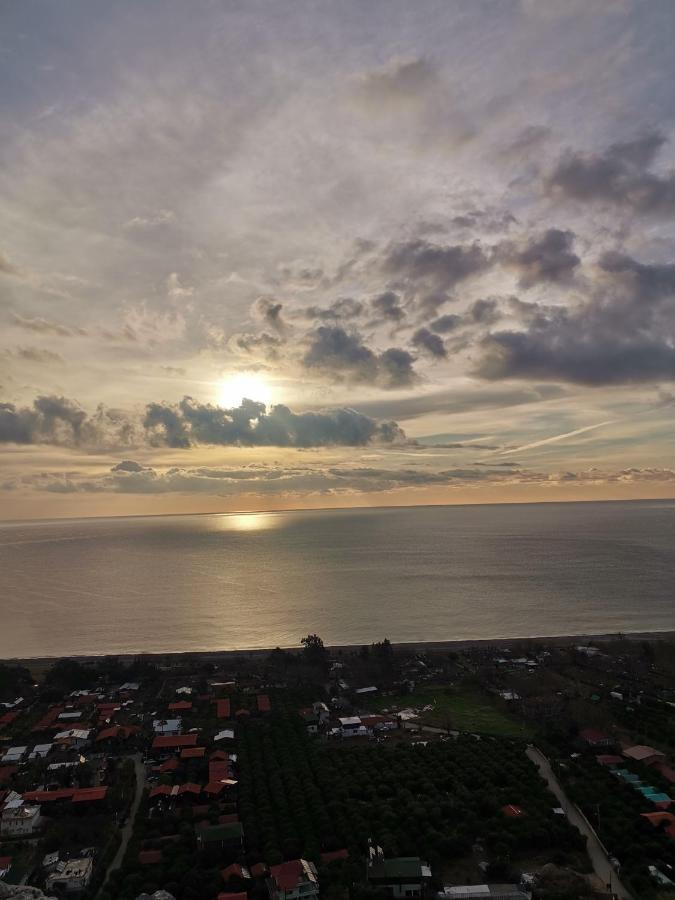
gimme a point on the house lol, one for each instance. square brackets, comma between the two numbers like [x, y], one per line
[311, 720]
[74, 737]
[5, 865]
[71, 876]
[334, 855]
[644, 754]
[19, 819]
[227, 734]
[402, 876]
[14, 755]
[321, 711]
[235, 871]
[351, 726]
[174, 741]
[294, 879]
[487, 891]
[263, 703]
[594, 738]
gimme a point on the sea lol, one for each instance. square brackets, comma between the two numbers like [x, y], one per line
[353, 576]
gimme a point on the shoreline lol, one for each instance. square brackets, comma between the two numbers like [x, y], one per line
[410, 646]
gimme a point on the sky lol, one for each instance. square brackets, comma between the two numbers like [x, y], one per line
[266, 255]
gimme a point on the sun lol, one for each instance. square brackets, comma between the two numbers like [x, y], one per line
[244, 386]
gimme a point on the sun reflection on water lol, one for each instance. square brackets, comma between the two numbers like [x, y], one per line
[253, 521]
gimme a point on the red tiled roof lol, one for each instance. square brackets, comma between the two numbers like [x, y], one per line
[512, 811]
[214, 787]
[223, 709]
[169, 766]
[264, 704]
[658, 817]
[180, 704]
[162, 790]
[219, 754]
[333, 855]
[609, 759]
[233, 871]
[243, 712]
[150, 857]
[667, 771]
[48, 719]
[170, 741]
[192, 752]
[8, 718]
[287, 874]
[5, 863]
[6, 773]
[190, 788]
[47, 796]
[219, 769]
[86, 795]
[259, 870]
[223, 895]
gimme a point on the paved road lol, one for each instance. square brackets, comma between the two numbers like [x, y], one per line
[601, 865]
[128, 827]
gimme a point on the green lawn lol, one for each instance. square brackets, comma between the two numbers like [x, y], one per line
[463, 710]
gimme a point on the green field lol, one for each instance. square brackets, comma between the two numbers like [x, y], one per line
[460, 710]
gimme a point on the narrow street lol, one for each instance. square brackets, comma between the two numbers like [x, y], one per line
[601, 864]
[128, 827]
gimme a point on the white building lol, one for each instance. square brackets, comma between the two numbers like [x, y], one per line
[19, 819]
[485, 892]
[14, 755]
[73, 737]
[72, 876]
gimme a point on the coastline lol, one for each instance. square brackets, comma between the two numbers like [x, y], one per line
[409, 646]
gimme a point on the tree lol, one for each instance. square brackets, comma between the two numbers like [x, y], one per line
[314, 651]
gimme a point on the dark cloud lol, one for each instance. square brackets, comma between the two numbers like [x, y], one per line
[128, 465]
[431, 343]
[445, 324]
[39, 355]
[251, 425]
[483, 312]
[263, 347]
[530, 139]
[342, 356]
[620, 177]
[53, 420]
[387, 307]
[344, 308]
[623, 332]
[431, 268]
[269, 310]
[548, 258]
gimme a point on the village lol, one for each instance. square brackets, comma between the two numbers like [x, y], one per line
[534, 770]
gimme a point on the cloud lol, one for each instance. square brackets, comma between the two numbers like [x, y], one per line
[431, 343]
[45, 326]
[401, 81]
[59, 421]
[176, 290]
[153, 220]
[387, 307]
[343, 308]
[548, 258]
[620, 176]
[445, 324]
[50, 420]
[269, 311]
[433, 268]
[339, 355]
[38, 355]
[623, 332]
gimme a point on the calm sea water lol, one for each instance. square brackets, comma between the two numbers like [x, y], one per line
[245, 581]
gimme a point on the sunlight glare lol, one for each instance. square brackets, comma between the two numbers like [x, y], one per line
[244, 385]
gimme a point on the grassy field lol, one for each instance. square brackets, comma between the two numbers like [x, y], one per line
[461, 710]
